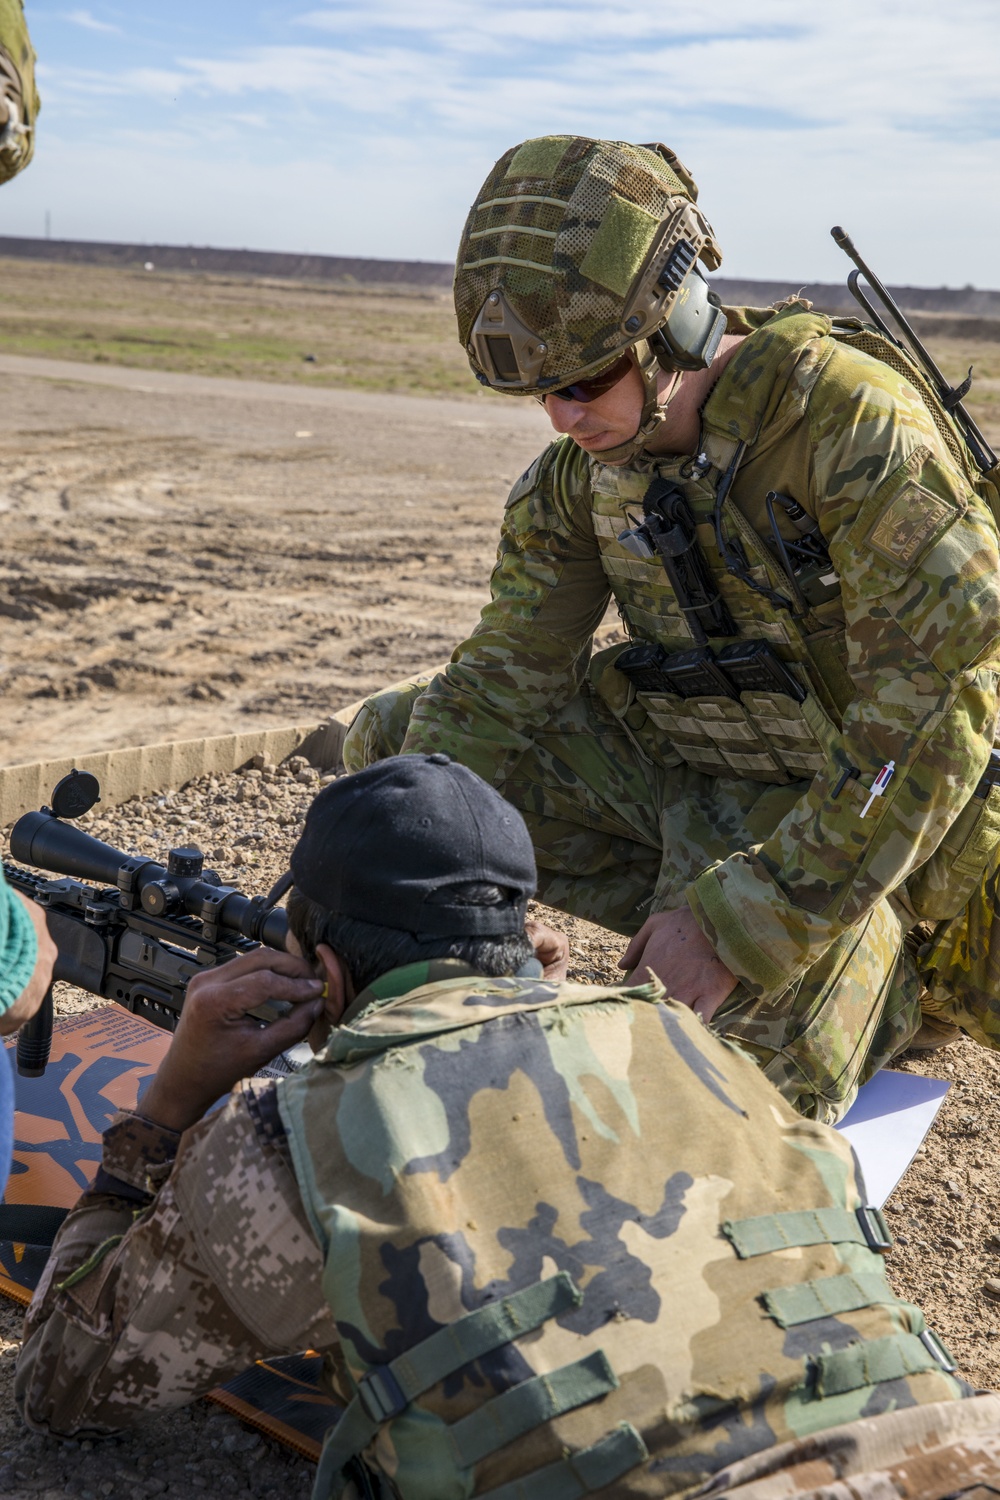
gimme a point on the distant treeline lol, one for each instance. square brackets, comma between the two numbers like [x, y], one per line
[963, 305]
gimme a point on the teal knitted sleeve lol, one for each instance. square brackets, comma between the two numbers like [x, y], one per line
[18, 947]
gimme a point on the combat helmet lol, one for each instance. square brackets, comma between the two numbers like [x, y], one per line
[577, 250]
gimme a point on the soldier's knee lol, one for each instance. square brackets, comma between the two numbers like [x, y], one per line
[379, 728]
[359, 742]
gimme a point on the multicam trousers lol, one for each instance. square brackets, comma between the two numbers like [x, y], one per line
[618, 835]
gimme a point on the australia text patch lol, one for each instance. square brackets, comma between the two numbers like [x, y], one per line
[909, 524]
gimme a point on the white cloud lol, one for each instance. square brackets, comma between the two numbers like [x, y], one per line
[89, 22]
[791, 115]
[625, 62]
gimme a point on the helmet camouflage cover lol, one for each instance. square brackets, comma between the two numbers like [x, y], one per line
[18, 94]
[574, 250]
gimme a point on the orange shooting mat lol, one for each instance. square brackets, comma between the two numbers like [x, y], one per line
[100, 1062]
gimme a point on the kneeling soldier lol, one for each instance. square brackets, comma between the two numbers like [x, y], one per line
[781, 776]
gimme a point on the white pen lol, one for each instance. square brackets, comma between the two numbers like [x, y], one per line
[879, 785]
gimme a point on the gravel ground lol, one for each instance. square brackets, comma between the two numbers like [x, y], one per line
[947, 1258]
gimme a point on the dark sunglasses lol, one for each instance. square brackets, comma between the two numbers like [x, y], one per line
[597, 385]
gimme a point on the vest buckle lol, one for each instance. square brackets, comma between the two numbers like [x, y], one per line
[938, 1350]
[875, 1229]
[381, 1394]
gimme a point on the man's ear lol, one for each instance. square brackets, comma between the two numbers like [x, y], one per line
[339, 989]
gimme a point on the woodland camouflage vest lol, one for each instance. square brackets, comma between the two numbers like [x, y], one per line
[572, 1240]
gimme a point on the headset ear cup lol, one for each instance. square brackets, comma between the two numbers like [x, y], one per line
[691, 335]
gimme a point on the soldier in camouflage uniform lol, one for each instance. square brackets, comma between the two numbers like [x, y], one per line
[552, 1239]
[782, 776]
[19, 102]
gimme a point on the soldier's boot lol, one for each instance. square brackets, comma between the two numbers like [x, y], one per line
[935, 1031]
[934, 1034]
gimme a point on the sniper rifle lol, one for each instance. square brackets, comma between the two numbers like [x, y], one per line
[126, 927]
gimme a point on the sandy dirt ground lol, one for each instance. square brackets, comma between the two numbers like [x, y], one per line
[182, 558]
[367, 337]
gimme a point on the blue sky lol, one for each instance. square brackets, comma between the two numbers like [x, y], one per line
[353, 128]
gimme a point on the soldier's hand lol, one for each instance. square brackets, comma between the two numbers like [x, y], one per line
[671, 945]
[217, 1041]
[35, 990]
[551, 949]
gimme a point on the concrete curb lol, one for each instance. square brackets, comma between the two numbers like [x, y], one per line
[141, 769]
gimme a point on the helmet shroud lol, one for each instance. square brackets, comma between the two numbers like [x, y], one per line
[574, 251]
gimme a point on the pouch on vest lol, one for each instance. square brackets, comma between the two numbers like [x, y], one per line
[763, 734]
[387, 1391]
[618, 696]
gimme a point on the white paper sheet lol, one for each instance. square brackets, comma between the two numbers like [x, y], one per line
[887, 1123]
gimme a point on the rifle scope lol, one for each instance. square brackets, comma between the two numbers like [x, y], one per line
[178, 888]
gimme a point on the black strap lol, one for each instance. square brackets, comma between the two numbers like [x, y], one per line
[30, 1223]
[670, 524]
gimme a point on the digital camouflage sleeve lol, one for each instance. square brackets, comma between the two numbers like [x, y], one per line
[190, 1258]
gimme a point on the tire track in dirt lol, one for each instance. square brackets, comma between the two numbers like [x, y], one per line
[196, 561]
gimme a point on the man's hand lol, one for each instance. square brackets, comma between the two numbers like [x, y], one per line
[671, 945]
[217, 1042]
[551, 949]
[34, 991]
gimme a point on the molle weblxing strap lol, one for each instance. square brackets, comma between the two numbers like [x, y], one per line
[826, 1297]
[387, 1390]
[580, 1473]
[529, 1404]
[808, 1226]
[875, 1361]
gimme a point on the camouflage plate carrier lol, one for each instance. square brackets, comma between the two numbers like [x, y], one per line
[574, 1244]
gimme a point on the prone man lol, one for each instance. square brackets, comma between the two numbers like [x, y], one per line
[552, 1239]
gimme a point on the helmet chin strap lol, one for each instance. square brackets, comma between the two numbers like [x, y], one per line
[654, 408]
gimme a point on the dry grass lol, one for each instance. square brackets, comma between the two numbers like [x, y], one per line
[367, 338]
[362, 337]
